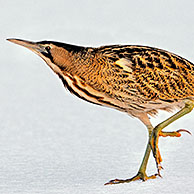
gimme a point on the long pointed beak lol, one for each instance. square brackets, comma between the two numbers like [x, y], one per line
[33, 46]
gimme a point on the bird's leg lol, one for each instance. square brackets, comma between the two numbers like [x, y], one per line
[141, 175]
[157, 131]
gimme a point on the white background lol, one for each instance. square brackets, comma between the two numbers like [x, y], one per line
[53, 142]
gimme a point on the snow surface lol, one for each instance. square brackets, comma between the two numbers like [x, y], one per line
[52, 142]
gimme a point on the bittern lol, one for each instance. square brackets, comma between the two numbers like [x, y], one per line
[138, 80]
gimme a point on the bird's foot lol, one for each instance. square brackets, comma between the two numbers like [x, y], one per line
[174, 133]
[154, 144]
[140, 176]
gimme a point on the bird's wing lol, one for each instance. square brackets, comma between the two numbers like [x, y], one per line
[157, 74]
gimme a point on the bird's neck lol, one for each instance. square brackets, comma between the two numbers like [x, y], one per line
[74, 63]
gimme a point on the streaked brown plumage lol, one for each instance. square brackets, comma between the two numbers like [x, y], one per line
[138, 80]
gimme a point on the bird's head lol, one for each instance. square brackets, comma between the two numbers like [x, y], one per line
[55, 54]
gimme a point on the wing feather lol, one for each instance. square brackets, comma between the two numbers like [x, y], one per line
[156, 73]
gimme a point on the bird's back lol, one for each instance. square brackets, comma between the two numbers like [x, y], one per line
[167, 75]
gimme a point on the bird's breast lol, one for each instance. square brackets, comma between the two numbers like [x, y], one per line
[84, 91]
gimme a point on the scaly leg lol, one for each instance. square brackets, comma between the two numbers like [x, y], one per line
[157, 131]
[141, 175]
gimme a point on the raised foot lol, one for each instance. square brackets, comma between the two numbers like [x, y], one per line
[174, 133]
[154, 144]
[139, 176]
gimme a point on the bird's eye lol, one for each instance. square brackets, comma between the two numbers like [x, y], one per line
[47, 48]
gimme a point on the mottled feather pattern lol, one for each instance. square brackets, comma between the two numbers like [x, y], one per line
[129, 78]
[168, 75]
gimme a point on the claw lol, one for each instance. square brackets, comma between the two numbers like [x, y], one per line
[184, 130]
[116, 181]
[159, 167]
[159, 174]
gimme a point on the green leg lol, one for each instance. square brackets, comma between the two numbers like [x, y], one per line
[141, 175]
[143, 166]
[157, 131]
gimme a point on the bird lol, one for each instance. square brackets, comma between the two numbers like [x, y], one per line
[138, 80]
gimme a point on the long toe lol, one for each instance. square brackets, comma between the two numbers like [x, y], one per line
[173, 133]
[139, 176]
